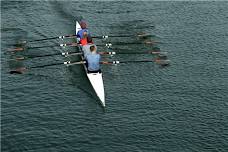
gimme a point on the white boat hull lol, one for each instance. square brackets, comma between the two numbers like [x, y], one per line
[95, 79]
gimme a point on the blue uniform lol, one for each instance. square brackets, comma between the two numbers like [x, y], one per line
[80, 33]
[93, 61]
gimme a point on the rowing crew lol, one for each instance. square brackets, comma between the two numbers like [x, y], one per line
[89, 49]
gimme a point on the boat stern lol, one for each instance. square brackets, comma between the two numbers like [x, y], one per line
[96, 81]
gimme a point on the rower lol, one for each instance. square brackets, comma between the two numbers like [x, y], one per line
[93, 60]
[83, 40]
[86, 48]
[80, 33]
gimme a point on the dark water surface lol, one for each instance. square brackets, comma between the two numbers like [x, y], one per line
[180, 108]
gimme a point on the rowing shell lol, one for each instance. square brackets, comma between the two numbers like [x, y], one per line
[95, 79]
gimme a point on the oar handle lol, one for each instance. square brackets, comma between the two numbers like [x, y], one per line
[66, 54]
[111, 53]
[68, 44]
[67, 36]
[69, 63]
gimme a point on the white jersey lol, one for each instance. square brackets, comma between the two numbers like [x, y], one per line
[86, 49]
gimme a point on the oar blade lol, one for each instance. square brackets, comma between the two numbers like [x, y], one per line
[18, 59]
[16, 49]
[18, 71]
[163, 63]
[144, 35]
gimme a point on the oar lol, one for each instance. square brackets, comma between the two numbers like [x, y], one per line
[109, 45]
[149, 52]
[76, 44]
[37, 47]
[69, 63]
[128, 35]
[46, 55]
[113, 53]
[74, 36]
[67, 54]
[23, 69]
[158, 61]
[155, 49]
[61, 45]
[160, 55]
[51, 38]
[128, 43]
